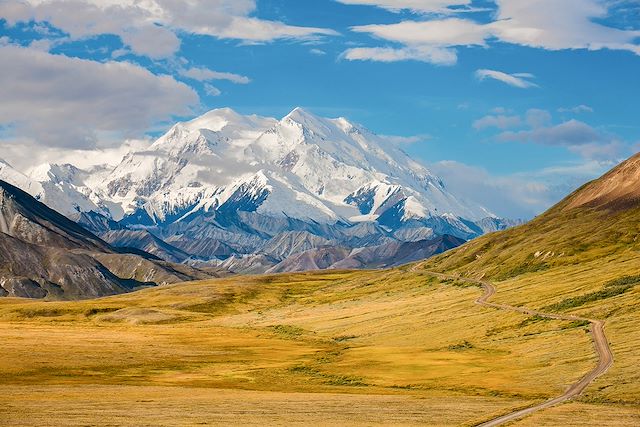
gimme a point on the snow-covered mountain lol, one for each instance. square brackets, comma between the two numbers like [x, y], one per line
[225, 185]
[303, 167]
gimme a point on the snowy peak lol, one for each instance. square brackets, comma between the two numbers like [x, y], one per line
[18, 179]
[222, 164]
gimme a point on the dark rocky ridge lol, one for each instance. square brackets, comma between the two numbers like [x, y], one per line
[43, 254]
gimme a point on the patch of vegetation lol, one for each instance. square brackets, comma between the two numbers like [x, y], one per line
[577, 324]
[533, 319]
[611, 288]
[343, 338]
[460, 283]
[100, 310]
[41, 312]
[529, 266]
[329, 379]
[465, 345]
[288, 331]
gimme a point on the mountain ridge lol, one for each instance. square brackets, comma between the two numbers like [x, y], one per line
[43, 254]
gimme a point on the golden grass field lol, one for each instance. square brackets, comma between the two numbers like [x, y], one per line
[333, 348]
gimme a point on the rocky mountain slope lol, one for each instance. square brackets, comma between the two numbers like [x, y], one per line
[44, 254]
[227, 186]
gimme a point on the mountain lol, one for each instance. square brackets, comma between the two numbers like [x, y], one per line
[382, 256]
[44, 254]
[225, 185]
[597, 221]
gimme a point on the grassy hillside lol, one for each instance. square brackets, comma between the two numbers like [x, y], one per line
[580, 257]
[420, 342]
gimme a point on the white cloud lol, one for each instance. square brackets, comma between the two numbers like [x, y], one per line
[546, 24]
[149, 27]
[442, 6]
[576, 110]
[62, 101]
[434, 55]
[445, 32]
[25, 154]
[555, 25]
[497, 121]
[212, 90]
[153, 41]
[428, 41]
[406, 140]
[205, 74]
[520, 80]
[318, 52]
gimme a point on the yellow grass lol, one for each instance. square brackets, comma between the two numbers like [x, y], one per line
[341, 344]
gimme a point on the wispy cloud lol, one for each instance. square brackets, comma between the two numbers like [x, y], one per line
[576, 110]
[406, 140]
[422, 6]
[205, 75]
[433, 55]
[520, 80]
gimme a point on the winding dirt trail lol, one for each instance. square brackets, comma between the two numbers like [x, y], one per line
[601, 344]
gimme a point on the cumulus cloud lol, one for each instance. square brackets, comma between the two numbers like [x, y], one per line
[520, 80]
[149, 27]
[63, 101]
[572, 25]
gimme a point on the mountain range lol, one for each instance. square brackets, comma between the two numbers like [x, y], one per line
[248, 193]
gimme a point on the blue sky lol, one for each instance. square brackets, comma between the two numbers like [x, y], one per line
[513, 102]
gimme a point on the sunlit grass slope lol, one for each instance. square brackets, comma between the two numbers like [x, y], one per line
[396, 333]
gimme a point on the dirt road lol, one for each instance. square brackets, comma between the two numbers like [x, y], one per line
[601, 344]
